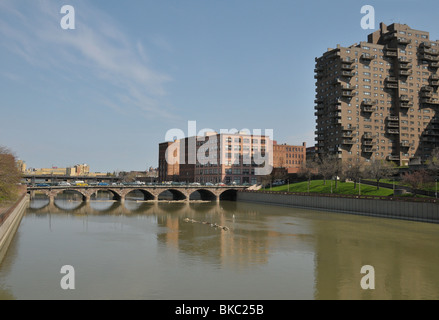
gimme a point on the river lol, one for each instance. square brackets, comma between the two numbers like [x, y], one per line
[144, 250]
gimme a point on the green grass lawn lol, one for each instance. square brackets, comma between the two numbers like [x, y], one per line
[318, 186]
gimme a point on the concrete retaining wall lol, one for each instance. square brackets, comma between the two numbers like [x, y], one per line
[416, 211]
[9, 224]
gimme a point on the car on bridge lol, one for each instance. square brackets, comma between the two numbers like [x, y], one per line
[103, 184]
[42, 185]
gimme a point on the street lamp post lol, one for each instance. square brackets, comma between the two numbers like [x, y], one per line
[436, 189]
[359, 186]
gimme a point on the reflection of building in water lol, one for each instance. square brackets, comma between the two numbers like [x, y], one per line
[342, 249]
[236, 246]
[246, 243]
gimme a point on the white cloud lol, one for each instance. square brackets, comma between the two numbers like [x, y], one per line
[31, 30]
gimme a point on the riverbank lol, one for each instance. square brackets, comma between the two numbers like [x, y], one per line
[10, 219]
[423, 210]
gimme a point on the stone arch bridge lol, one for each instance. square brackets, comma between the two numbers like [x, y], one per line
[149, 192]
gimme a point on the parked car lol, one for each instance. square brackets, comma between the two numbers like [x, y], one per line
[42, 185]
[209, 184]
[103, 184]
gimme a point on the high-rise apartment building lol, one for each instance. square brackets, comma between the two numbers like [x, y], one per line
[379, 99]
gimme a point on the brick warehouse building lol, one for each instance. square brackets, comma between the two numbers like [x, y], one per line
[379, 99]
[234, 154]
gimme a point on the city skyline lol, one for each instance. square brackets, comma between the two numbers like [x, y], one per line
[107, 92]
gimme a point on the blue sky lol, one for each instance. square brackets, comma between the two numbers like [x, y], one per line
[107, 92]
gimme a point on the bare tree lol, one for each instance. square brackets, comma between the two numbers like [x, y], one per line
[380, 169]
[307, 170]
[325, 167]
[417, 179]
[354, 170]
[9, 174]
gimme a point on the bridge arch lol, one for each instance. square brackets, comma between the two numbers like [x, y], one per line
[174, 194]
[144, 193]
[229, 195]
[115, 195]
[202, 194]
[56, 193]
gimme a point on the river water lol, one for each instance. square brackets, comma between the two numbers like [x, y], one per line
[143, 250]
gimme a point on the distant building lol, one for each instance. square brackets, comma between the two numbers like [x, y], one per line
[21, 166]
[215, 158]
[289, 157]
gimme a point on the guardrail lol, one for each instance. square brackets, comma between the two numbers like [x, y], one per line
[347, 196]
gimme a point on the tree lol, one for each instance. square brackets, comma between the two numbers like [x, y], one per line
[380, 169]
[433, 162]
[354, 170]
[330, 166]
[9, 174]
[417, 179]
[307, 170]
[325, 167]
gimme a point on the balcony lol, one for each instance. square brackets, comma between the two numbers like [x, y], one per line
[390, 85]
[405, 98]
[425, 44]
[393, 118]
[428, 57]
[369, 102]
[403, 41]
[406, 105]
[318, 100]
[430, 51]
[393, 157]
[434, 65]
[405, 72]
[430, 101]
[368, 108]
[430, 133]
[390, 54]
[426, 94]
[368, 143]
[434, 77]
[405, 66]
[346, 60]
[405, 144]
[367, 56]
[368, 149]
[347, 142]
[393, 124]
[349, 67]
[392, 79]
[427, 88]
[347, 87]
[392, 131]
[434, 83]
[347, 74]
[347, 94]
[368, 135]
[347, 134]
[428, 139]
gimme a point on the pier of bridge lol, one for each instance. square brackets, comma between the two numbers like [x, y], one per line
[214, 193]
